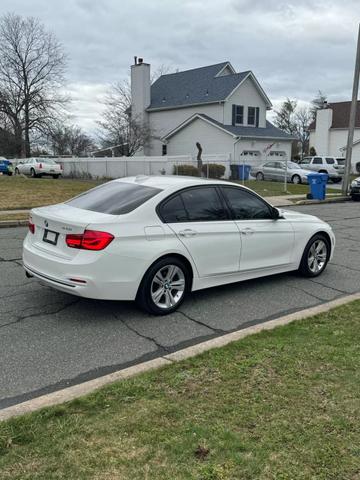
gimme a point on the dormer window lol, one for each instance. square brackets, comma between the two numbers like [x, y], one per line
[237, 114]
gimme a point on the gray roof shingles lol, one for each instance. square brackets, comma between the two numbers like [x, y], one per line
[196, 86]
[270, 131]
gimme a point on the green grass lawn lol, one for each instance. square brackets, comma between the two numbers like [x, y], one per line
[268, 188]
[23, 192]
[282, 404]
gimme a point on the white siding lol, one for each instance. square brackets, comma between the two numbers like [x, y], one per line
[210, 138]
[283, 146]
[162, 122]
[247, 95]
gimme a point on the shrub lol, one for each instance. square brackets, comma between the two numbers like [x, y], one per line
[189, 170]
[215, 170]
[312, 152]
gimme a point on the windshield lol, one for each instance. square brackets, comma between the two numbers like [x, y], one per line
[293, 166]
[115, 198]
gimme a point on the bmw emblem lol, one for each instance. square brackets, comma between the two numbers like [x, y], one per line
[46, 223]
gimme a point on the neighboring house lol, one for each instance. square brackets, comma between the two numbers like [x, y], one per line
[329, 132]
[222, 110]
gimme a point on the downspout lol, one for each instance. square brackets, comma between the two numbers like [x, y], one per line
[237, 141]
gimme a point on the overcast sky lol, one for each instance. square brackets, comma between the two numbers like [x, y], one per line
[294, 47]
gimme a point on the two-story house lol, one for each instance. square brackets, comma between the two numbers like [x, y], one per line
[223, 111]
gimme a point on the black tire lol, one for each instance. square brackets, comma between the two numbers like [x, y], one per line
[336, 180]
[32, 173]
[17, 171]
[9, 174]
[304, 267]
[355, 198]
[259, 177]
[55, 176]
[144, 298]
[296, 179]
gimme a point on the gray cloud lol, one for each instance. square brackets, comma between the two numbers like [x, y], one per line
[293, 47]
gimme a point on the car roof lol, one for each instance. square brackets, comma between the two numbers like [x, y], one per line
[170, 181]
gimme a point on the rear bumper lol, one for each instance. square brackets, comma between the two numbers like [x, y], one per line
[88, 275]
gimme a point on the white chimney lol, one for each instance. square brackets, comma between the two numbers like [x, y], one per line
[140, 90]
[322, 130]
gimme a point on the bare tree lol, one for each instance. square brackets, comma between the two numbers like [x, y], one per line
[317, 103]
[303, 118]
[70, 140]
[117, 125]
[32, 66]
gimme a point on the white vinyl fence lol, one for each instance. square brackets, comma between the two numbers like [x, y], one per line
[116, 167]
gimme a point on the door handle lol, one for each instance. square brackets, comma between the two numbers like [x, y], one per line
[247, 231]
[187, 233]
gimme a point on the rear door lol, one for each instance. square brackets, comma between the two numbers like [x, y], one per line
[200, 219]
[265, 243]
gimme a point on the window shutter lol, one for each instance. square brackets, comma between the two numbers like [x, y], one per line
[257, 113]
[233, 115]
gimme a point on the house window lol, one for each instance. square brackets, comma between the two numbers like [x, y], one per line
[237, 115]
[164, 149]
[251, 116]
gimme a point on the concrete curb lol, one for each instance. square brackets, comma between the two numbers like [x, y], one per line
[320, 202]
[70, 393]
[13, 223]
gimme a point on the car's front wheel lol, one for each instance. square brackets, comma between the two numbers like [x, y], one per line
[316, 256]
[17, 172]
[296, 179]
[164, 286]
[32, 173]
[259, 177]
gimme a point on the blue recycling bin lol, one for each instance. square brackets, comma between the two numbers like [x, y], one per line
[244, 171]
[317, 183]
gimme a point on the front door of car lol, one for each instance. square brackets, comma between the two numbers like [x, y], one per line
[25, 167]
[266, 242]
[269, 171]
[199, 218]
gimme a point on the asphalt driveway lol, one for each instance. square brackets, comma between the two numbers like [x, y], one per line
[49, 340]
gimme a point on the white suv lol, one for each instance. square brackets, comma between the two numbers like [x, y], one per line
[327, 165]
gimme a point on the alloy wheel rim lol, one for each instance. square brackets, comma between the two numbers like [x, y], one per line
[317, 256]
[296, 180]
[168, 286]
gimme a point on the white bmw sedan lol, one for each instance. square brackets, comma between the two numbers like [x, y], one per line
[153, 239]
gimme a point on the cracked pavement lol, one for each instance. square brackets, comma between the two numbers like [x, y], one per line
[50, 340]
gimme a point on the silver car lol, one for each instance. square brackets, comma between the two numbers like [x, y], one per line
[37, 167]
[276, 171]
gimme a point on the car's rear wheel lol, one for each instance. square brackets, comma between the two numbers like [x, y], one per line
[336, 180]
[259, 176]
[55, 176]
[316, 256]
[296, 179]
[164, 286]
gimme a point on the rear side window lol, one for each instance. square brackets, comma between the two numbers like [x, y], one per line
[203, 205]
[115, 198]
[330, 161]
[317, 161]
[245, 205]
[200, 204]
[173, 210]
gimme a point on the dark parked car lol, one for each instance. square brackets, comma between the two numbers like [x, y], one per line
[6, 167]
[355, 189]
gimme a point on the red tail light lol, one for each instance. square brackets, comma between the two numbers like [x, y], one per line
[40, 165]
[61, 167]
[89, 240]
[31, 226]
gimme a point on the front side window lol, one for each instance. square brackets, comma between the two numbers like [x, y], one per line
[269, 165]
[251, 116]
[245, 205]
[115, 198]
[317, 161]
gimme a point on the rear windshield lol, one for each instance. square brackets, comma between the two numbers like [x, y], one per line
[115, 198]
[47, 161]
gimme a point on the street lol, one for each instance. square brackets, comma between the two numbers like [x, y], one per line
[50, 340]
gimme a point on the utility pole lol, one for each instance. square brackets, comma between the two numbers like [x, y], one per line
[350, 140]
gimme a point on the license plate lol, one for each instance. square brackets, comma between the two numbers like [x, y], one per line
[50, 237]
